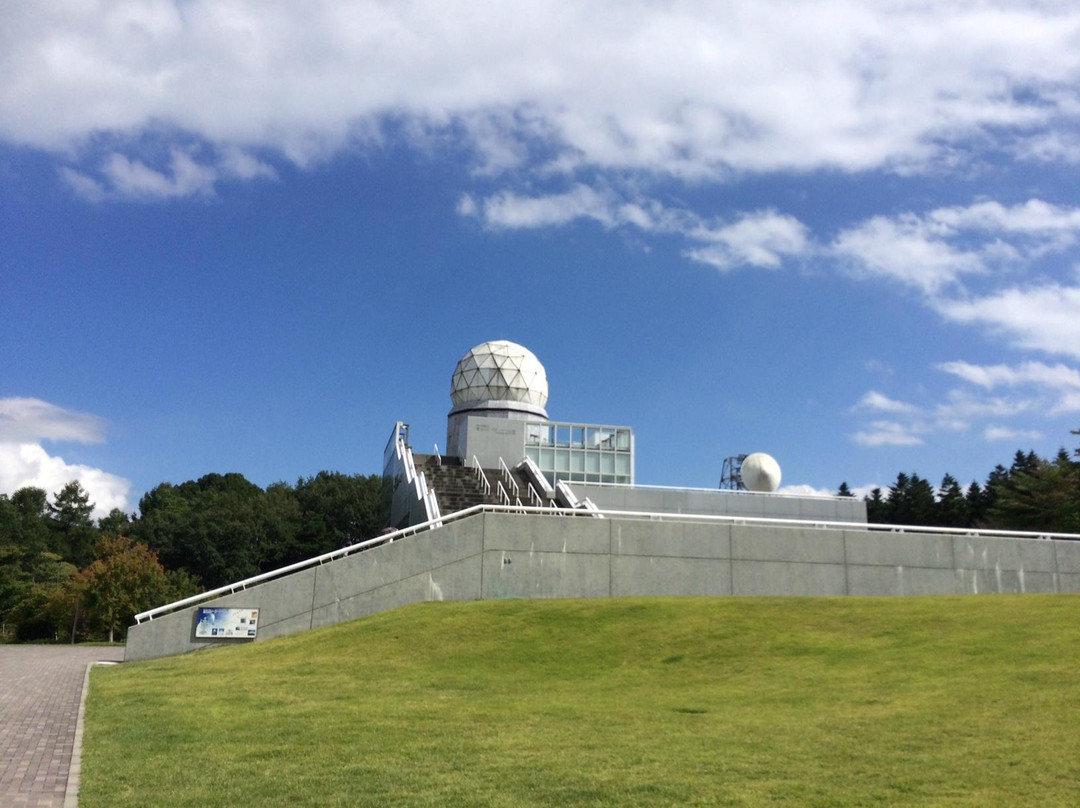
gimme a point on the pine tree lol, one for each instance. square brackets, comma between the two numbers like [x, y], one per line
[952, 507]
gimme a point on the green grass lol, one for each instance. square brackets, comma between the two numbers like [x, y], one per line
[622, 702]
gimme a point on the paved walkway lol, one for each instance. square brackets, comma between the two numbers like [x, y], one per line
[40, 688]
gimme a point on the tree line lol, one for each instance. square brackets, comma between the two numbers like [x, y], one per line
[65, 576]
[1034, 493]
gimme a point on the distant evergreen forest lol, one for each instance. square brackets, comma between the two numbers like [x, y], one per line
[65, 577]
[1034, 493]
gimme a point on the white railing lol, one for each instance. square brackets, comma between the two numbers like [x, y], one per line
[500, 493]
[508, 478]
[534, 498]
[438, 457]
[611, 514]
[481, 477]
[414, 478]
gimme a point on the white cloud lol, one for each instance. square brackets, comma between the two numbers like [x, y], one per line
[691, 90]
[761, 239]
[186, 177]
[28, 464]
[887, 433]
[24, 423]
[1001, 433]
[1070, 402]
[31, 420]
[904, 249]
[1034, 216]
[511, 211]
[879, 402]
[1043, 318]
[118, 176]
[1037, 373]
[804, 490]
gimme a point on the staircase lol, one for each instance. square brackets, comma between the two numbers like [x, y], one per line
[457, 487]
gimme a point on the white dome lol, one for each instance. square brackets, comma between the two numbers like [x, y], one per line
[500, 371]
[760, 472]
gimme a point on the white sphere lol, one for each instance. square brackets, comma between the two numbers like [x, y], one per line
[760, 472]
[499, 371]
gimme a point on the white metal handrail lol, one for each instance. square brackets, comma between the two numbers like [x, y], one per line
[639, 515]
[415, 478]
[500, 493]
[481, 477]
[511, 483]
[534, 498]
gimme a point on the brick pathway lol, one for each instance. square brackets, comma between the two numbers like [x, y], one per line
[40, 688]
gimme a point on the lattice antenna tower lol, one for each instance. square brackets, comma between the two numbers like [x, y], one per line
[731, 473]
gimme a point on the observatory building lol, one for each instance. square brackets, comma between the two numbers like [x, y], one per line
[498, 424]
[522, 506]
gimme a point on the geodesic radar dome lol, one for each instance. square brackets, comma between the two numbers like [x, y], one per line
[500, 375]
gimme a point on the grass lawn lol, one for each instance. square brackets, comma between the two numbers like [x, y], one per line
[611, 702]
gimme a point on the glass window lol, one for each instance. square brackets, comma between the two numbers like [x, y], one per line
[533, 455]
[592, 461]
[577, 460]
[562, 460]
[577, 436]
[607, 463]
[622, 464]
[622, 439]
[563, 436]
[547, 459]
[592, 437]
[532, 434]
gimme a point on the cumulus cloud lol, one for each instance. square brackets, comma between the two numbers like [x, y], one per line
[1043, 318]
[25, 423]
[692, 90]
[28, 464]
[804, 490]
[904, 249]
[760, 239]
[936, 251]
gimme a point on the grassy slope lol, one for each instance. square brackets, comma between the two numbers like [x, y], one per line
[937, 701]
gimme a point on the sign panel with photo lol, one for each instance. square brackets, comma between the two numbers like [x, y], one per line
[229, 623]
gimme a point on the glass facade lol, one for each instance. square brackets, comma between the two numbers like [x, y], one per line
[585, 453]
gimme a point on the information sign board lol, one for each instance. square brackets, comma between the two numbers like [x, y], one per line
[217, 622]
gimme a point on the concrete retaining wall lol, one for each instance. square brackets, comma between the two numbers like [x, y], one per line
[492, 555]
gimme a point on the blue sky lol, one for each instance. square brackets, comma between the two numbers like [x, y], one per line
[250, 236]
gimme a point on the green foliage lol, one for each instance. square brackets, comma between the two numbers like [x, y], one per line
[1040, 495]
[73, 532]
[123, 580]
[201, 533]
[610, 703]
[1033, 494]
